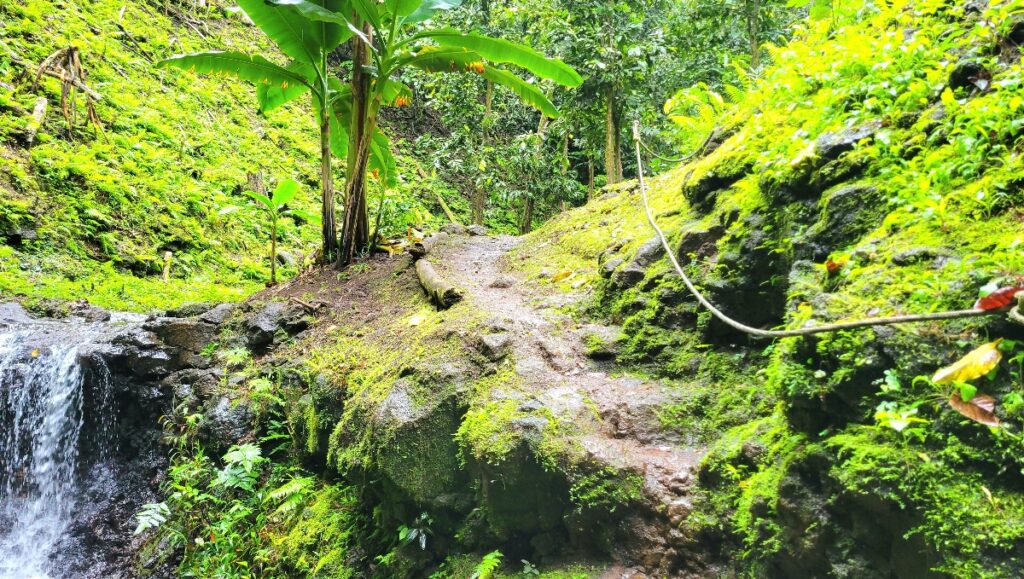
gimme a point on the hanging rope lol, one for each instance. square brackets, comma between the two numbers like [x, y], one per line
[758, 332]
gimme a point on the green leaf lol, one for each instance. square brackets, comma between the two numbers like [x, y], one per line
[254, 69]
[393, 89]
[307, 216]
[530, 94]
[316, 13]
[382, 159]
[284, 192]
[438, 59]
[503, 51]
[460, 60]
[429, 7]
[294, 34]
[967, 391]
[272, 96]
[402, 8]
[263, 199]
[367, 10]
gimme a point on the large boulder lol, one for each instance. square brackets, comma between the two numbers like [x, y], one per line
[262, 325]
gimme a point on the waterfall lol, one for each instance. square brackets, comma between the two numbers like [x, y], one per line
[50, 388]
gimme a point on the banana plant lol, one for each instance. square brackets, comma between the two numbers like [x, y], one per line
[274, 206]
[387, 37]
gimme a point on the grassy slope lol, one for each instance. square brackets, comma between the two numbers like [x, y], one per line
[164, 172]
[946, 166]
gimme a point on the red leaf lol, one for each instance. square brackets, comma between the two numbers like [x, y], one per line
[833, 267]
[1000, 298]
[979, 409]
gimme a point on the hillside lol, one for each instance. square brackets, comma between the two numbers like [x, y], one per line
[575, 413]
[88, 210]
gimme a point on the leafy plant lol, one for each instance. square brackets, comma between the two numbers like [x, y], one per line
[418, 532]
[386, 38]
[488, 566]
[151, 516]
[275, 208]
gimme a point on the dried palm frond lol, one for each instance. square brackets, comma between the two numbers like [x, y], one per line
[66, 66]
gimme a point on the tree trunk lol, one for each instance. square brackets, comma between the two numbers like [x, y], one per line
[754, 32]
[612, 156]
[590, 178]
[527, 223]
[329, 231]
[355, 233]
[479, 200]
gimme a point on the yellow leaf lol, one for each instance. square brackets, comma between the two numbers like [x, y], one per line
[560, 276]
[35, 353]
[975, 364]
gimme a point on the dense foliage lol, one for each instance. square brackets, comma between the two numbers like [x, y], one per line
[851, 160]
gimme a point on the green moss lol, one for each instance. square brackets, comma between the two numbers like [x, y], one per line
[975, 522]
[606, 489]
[486, 432]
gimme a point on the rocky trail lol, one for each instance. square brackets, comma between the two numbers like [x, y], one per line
[616, 413]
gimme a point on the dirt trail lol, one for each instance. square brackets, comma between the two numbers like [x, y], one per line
[551, 358]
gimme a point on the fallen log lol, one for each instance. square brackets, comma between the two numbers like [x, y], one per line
[438, 289]
[426, 245]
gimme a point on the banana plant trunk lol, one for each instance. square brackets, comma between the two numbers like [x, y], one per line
[329, 228]
[355, 231]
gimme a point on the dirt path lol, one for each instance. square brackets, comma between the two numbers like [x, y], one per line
[551, 358]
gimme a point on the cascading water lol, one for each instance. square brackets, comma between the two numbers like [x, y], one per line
[50, 387]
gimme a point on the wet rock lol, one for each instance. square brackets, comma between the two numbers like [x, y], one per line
[636, 270]
[531, 428]
[608, 267]
[502, 281]
[830, 146]
[15, 237]
[847, 213]
[218, 314]
[225, 422]
[189, 336]
[13, 313]
[454, 229]
[261, 326]
[84, 310]
[700, 191]
[969, 74]
[189, 310]
[678, 511]
[699, 243]
[601, 341]
[192, 383]
[476, 230]
[495, 346]
[917, 255]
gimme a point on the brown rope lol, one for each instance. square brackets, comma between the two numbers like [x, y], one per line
[760, 333]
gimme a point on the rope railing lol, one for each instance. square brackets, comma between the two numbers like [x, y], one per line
[805, 331]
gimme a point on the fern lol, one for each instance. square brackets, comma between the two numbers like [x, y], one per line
[487, 566]
[152, 516]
